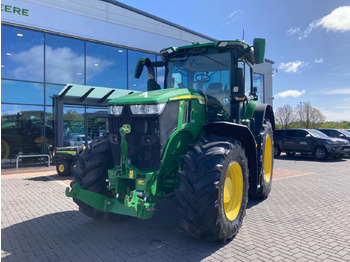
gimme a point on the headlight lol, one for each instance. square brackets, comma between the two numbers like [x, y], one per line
[116, 110]
[154, 109]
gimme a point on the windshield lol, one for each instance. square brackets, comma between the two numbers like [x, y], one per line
[206, 72]
[345, 132]
[317, 133]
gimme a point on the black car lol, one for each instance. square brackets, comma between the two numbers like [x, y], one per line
[309, 141]
[338, 133]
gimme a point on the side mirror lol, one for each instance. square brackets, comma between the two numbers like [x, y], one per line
[341, 135]
[259, 50]
[139, 68]
[308, 136]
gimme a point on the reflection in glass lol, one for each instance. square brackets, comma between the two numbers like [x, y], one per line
[258, 82]
[73, 125]
[22, 54]
[97, 126]
[106, 66]
[64, 60]
[22, 92]
[141, 83]
[52, 90]
[22, 130]
[160, 74]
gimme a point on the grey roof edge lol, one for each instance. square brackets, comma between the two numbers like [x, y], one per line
[138, 11]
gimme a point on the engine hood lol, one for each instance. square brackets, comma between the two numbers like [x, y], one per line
[157, 96]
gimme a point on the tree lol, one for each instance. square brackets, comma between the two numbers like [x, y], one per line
[285, 116]
[309, 116]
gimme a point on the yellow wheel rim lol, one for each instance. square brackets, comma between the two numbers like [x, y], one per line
[61, 168]
[268, 159]
[233, 191]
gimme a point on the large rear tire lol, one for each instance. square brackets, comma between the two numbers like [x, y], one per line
[213, 191]
[91, 171]
[266, 160]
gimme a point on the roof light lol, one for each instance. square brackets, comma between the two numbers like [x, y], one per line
[19, 34]
[221, 44]
[120, 51]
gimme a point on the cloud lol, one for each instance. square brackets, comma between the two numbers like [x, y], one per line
[290, 93]
[344, 115]
[63, 65]
[341, 91]
[318, 61]
[233, 16]
[337, 20]
[292, 67]
[293, 31]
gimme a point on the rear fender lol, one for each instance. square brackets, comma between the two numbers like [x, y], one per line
[243, 134]
[261, 112]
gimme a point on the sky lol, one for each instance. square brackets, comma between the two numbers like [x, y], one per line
[309, 42]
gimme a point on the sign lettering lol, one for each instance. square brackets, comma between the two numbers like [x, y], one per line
[14, 10]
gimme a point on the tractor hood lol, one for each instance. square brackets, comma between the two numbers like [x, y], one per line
[158, 96]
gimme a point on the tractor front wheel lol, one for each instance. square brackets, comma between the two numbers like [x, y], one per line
[213, 191]
[91, 171]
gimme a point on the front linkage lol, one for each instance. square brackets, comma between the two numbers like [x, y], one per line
[134, 191]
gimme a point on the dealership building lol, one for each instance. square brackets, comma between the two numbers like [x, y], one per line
[47, 44]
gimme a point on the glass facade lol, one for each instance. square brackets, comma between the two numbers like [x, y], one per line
[36, 65]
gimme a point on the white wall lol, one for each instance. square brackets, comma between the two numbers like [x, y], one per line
[266, 69]
[99, 20]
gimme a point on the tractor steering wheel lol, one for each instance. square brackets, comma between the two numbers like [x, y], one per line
[202, 77]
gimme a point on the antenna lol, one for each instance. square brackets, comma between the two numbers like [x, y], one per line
[243, 34]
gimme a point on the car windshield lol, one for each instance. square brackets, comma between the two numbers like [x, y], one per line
[345, 132]
[317, 133]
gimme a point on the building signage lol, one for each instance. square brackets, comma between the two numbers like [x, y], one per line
[14, 10]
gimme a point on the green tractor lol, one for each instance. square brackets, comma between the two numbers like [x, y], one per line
[204, 138]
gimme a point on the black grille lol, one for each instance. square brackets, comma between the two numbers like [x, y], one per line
[148, 137]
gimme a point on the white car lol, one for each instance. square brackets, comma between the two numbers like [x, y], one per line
[77, 140]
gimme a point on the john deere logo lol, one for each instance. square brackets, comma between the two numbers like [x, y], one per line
[14, 10]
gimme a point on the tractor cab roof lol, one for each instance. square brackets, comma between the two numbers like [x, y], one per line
[197, 48]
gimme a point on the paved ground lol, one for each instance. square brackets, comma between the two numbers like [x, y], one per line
[305, 218]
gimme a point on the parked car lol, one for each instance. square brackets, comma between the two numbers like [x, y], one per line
[78, 139]
[338, 133]
[309, 141]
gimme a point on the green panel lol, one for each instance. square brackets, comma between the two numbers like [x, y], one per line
[157, 96]
[250, 109]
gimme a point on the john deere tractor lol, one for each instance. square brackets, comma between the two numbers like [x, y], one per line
[204, 138]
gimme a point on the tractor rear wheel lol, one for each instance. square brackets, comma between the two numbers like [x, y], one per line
[213, 191]
[91, 171]
[266, 160]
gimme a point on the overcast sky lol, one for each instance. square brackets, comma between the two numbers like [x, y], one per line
[309, 41]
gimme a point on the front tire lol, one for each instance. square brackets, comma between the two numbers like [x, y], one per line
[62, 168]
[213, 191]
[91, 171]
[321, 153]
